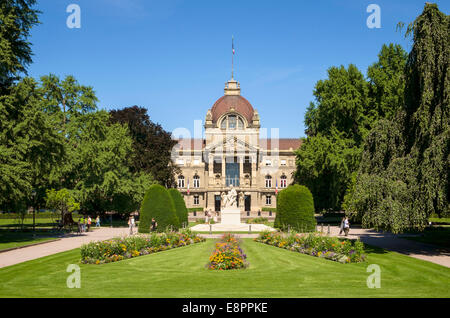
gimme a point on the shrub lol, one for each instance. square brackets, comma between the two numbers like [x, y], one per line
[158, 204]
[180, 206]
[295, 209]
[259, 220]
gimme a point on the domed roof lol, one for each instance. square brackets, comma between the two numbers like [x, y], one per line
[232, 102]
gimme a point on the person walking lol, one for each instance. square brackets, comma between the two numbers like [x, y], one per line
[97, 221]
[84, 223]
[89, 221]
[154, 225]
[131, 224]
[346, 226]
[341, 228]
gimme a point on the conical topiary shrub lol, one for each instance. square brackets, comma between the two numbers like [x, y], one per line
[158, 204]
[295, 209]
[180, 206]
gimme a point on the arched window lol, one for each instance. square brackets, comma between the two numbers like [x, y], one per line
[283, 182]
[196, 181]
[180, 181]
[268, 182]
[232, 122]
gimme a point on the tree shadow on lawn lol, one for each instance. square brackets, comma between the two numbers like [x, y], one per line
[396, 243]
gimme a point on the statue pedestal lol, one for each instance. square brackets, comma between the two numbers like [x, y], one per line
[230, 216]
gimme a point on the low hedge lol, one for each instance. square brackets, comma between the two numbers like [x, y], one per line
[227, 254]
[195, 209]
[332, 248]
[118, 249]
[266, 209]
[39, 215]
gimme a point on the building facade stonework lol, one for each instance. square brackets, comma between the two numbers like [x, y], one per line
[232, 153]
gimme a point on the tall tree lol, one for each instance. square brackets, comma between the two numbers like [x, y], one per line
[98, 165]
[336, 125]
[30, 146]
[346, 108]
[67, 98]
[17, 17]
[151, 143]
[404, 173]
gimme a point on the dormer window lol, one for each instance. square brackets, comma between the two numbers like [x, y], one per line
[232, 122]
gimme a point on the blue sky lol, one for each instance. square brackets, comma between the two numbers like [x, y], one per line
[173, 57]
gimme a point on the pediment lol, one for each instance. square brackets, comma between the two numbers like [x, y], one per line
[231, 144]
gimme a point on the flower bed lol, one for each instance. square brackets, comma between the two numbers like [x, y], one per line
[227, 255]
[332, 248]
[118, 249]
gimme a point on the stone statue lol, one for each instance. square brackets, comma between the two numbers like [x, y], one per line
[241, 199]
[230, 200]
[223, 200]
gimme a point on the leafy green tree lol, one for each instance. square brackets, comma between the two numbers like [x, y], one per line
[98, 165]
[387, 81]
[346, 108]
[404, 175]
[62, 201]
[325, 166]
[66, 99]
[152, 145]
[30, 146]
[17, 17]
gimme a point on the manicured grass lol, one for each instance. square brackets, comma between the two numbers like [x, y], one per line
[182, 272]
[440, 220]
[16, 239]
[439, 236]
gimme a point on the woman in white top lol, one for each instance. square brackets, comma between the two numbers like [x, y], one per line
[346, 226]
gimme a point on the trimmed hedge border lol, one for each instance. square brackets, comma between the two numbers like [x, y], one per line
[118, 249]
[332, 248]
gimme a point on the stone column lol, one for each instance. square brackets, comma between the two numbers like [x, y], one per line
[254, 173]
[223, 171]
[241, 171]
[210, 169]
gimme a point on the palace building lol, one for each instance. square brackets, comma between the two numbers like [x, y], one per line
[233, 154]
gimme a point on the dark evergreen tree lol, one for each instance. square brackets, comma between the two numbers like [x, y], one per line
[151, 143]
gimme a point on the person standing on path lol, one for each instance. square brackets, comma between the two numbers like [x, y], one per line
[89, 221]
[131, 224]
[346, 226]
[154, 225]
[97, 221]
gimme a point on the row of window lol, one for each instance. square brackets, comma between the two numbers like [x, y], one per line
[268, 182]
[268, 200]
[196, 162]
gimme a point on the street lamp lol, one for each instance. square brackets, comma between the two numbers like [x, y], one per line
[33, 195]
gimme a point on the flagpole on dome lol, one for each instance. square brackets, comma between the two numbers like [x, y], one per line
[232, 55]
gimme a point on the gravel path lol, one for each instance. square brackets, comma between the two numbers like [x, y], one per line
[66, 243]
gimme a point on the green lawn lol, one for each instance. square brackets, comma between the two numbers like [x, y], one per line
[437, 235]
[16, 239]
[181, 272]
